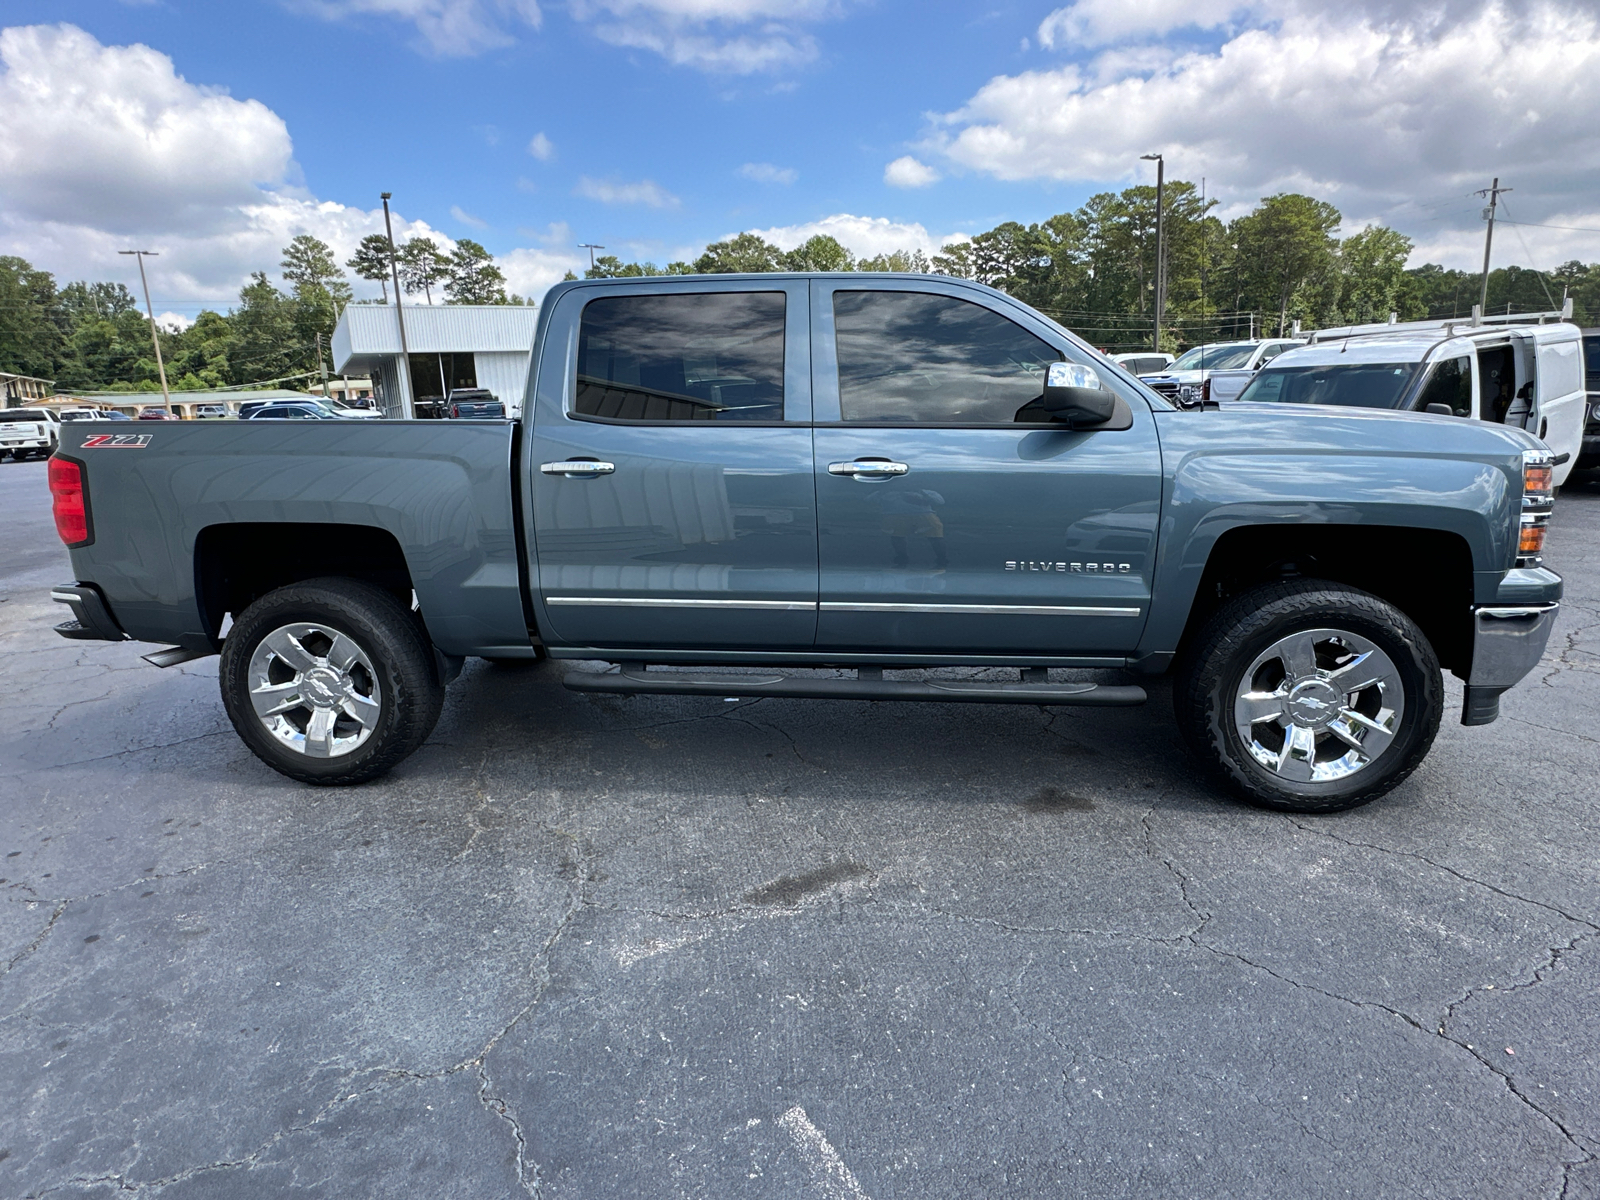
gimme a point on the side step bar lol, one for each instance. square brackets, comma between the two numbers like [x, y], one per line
[869, 684]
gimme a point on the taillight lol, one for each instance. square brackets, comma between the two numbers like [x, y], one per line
[1538, 498]
[68, 504]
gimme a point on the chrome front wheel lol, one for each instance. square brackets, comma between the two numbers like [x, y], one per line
[1319, 705]
[314, 690]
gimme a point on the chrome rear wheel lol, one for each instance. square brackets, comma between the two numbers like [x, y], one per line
[314, 690]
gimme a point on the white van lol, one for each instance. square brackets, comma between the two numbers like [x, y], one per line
[1530, 376]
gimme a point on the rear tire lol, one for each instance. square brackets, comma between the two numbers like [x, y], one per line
[330, 681]
[1309, 696]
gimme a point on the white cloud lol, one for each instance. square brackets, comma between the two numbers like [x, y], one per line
[1096, 22]
[767, 173]
[542, 148]
[705, 34]
[908, 172]
[1370, 112]
[107, 147]
[176, 322]
[467, 218]
[645, 192]
[446, 27]
[113, 137]
[865, 237]
[531, 272]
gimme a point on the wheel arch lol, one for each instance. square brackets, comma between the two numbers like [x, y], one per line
[238, 563]
[1425, 573]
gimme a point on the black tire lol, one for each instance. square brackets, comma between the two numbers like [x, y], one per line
[1211, 676]
[403, 678]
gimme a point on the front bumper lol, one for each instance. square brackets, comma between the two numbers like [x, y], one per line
[1507, 642]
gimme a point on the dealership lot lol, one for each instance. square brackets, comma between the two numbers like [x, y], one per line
[594, 946]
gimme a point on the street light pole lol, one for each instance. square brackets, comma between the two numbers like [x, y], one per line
[155, 338]
[591, 247]
[1161, 281]
[407, 409]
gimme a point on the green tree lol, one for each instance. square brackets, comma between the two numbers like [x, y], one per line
[31, 339]
[312, 273]
[1284, 248]
[473, 278]
[819, 253]
[913, 262]
[745, 253]
[954, 259]
[422, 266]
[1372, 267]
[371, 261]
[265, 344]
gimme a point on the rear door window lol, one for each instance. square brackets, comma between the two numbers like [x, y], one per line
[915, 358]
[691, 356]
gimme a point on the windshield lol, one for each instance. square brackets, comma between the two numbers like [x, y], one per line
[1353, 385]
[1213, 358]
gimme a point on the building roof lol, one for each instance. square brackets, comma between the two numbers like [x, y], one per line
[366, 331]
[209, 396]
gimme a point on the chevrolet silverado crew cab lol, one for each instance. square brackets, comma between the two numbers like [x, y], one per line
[832, 483]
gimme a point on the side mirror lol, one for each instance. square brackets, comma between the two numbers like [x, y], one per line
[1073, 396]
[1440, 410]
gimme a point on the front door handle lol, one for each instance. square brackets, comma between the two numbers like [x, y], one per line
[578, 466]
[868, 466]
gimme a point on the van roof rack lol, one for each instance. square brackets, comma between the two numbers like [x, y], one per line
[1446, 325]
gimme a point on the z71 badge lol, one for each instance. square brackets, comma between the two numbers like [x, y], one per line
[117, 441]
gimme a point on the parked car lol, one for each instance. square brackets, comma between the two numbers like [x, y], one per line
[351, 412]
[210, 412]
[1526, 376]
[1590, 457]
[291, 410]
[474, 404]
[249, 407]
[1143, 362]
[28, 432]
[90, 414]
[155, 412]
[111, 414]
[866, 471]
[1184, 382]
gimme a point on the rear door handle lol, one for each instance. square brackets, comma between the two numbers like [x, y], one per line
[578, 466]
[870, 466]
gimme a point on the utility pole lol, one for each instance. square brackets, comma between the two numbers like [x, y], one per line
[155, 338]
[591, 247]
[407, 409]
[323, 367]
[1161, 290]
[1493, 191]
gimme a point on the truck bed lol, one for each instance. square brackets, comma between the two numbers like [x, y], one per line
[440, 491]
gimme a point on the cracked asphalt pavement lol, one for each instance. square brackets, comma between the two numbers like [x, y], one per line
[679, 947]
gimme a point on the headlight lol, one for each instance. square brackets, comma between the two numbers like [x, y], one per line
[1538, 497]
[1595, 412]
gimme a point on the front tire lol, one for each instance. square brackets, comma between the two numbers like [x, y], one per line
[1309, 696]
[330, 681]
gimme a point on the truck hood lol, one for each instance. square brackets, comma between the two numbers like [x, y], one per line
[1323, 431]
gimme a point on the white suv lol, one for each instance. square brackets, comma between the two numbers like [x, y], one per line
[1183, 382]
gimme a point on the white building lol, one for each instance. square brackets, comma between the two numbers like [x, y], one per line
[450, 345]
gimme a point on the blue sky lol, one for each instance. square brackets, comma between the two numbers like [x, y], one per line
[669, 123]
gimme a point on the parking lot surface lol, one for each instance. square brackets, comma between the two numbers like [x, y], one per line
[679, 947]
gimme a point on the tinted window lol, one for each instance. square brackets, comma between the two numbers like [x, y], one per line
[912, 357]
[714, 356]
[1450, 383]
[1352, 385]
[1591, 355]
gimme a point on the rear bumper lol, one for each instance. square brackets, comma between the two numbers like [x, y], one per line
[26, 443]
[1507, 642]
[92, 620]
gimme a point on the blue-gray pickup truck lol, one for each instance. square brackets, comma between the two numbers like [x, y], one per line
[862, 473]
